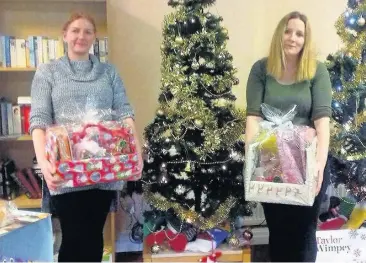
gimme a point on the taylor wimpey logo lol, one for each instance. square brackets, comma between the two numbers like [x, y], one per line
[332, 244]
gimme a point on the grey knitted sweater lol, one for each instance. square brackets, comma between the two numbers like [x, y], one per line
[65, 88]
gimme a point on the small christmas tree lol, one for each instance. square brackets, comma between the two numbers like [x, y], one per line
[347, 69]
[194, 149]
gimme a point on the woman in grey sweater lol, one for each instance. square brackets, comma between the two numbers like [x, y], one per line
[65, 87]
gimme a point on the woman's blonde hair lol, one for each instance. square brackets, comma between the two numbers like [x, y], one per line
[276, 59]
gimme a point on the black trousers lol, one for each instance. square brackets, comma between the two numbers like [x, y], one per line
[82, 217]
[292, 229]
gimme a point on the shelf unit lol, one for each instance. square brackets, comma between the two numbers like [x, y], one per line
[25, 137]
[17, 69]
[22, 18]
[23, 202]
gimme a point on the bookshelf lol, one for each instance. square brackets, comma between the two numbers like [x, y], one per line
[23, 202]
[24, 137]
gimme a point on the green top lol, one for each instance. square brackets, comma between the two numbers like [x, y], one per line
[312, 98]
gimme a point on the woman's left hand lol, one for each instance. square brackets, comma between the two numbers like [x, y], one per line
[320, 174]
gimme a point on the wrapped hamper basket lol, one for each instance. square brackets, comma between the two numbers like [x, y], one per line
[281, 161]
[93, 151]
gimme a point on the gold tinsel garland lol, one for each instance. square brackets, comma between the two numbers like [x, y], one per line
[360, 119]
[348, 86]
[194, 109]
[230, 136]
[214, 138]
[161, 203]
[336, 143]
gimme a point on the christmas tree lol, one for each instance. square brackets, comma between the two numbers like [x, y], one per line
[194, 152]
[347, 69]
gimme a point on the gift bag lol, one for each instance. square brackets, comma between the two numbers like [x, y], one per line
[281, 161]
[93, 151]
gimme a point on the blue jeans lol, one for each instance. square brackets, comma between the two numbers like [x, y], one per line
[292, 229]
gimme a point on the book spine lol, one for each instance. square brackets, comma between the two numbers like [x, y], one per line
[22, 187]
[33, 181]
[26, 184]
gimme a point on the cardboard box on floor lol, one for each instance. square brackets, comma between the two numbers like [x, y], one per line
[28, 238]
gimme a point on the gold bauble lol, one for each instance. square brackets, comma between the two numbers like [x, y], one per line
[179, 40]
[330, 64]
[160, 112]
[195, 65]
[177, 131]
[198, 123]
[234, 241]
[221, 102]
[155, 249]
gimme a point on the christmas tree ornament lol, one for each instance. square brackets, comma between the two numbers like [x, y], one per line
[247, 234]
[198, 123]
[361, 21]
[233, 241]
[163, 179]
[194, 24]
[183, 27]
[236, 81]
[178, 131]
[179, 40]
[195, 65]
[155, 249]
[160, 112]
[211, 24]
[163, 167]
[210, 65]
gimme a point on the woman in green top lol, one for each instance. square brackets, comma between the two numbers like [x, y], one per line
[292, 75]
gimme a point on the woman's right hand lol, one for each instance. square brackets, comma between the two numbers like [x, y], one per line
[49, 174]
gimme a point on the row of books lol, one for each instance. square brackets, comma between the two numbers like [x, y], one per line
[14, 118]
[15, 182]
[35, 50]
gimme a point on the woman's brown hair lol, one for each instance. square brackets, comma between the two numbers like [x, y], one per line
[79, 15]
